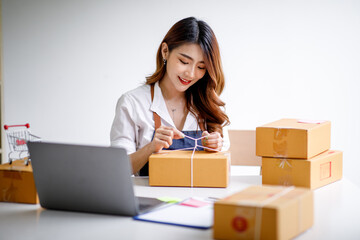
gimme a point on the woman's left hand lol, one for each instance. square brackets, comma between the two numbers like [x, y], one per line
[213, 141]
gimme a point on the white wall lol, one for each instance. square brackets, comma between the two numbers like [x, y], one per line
[65, 63]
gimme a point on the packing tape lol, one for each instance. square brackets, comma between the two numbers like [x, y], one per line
[280, 142]
[192, 155]
[284, 162]
[9, 193]
[286, 178]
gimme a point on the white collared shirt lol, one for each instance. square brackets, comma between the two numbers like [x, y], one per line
[133, 126]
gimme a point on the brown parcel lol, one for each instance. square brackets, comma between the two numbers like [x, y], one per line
[292, 139]
[311, 173]
[173, 168]
[17, 183]
[264, 212]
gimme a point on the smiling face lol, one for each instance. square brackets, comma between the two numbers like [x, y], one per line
[185, 66]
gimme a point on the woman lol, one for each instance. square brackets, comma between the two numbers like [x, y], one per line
[180, 98]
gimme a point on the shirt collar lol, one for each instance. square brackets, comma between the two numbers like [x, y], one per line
[158, 105]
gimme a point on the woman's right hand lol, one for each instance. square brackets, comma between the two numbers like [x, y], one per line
[163, 137]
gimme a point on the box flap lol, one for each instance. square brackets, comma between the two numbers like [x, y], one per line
[295, 124]
[265, 196]
[187, 154]
[18, 165]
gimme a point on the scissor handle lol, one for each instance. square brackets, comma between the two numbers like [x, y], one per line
[6, 127]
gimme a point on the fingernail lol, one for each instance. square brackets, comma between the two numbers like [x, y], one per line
[206, 137]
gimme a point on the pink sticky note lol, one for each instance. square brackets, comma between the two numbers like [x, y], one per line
[194, 203]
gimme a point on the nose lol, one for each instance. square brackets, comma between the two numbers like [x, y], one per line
[190, 73]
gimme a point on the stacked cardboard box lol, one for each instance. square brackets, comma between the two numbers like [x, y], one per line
[182, 169]
[296, 152]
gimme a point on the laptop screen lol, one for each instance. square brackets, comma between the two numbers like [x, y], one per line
[83, 178]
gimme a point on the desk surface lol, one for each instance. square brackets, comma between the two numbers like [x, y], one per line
[336, 216]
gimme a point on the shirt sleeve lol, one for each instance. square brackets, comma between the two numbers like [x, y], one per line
[123, 130]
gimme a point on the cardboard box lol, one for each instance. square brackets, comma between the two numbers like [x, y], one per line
[264, 212]
[173, 168]
[293, 138]
[311, 173]
[17, 183]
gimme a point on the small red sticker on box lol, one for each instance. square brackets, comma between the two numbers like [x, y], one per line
[239, 224]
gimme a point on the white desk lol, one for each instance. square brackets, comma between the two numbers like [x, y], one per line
[337, 216]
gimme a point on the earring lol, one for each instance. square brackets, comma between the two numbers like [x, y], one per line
[164, 61]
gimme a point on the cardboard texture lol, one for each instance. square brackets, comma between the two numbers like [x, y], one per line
[173, 168]
[264, 212]
[293, 138]
[311, 173]
[17, 183]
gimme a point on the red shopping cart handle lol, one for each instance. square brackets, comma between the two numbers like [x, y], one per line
[6, 127]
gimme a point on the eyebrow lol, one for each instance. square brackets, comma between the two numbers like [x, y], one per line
[188, 57]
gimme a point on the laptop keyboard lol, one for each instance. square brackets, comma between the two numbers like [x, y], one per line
[143, 207]
[146, 203]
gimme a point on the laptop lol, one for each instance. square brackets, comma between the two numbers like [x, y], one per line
[86, 179]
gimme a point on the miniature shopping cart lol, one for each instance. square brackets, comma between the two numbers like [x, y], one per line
[18, 136]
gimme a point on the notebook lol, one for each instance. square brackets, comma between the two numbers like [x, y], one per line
[86, 178]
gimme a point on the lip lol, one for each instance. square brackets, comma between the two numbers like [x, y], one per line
[184, 82]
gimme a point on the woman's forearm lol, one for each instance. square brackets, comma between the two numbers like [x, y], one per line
[139, 158]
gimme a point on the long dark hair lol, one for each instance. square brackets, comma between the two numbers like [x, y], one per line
[203, 97]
